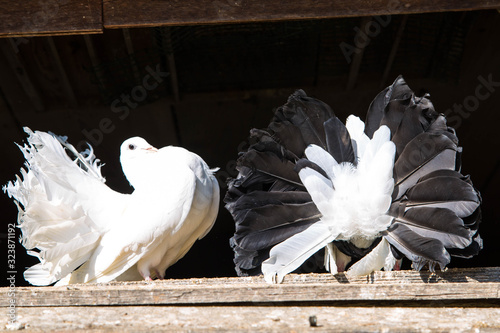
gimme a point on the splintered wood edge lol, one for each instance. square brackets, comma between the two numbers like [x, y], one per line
[397, 286]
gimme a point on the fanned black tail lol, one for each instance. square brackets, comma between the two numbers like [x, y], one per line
[435, 209]
[267, 200]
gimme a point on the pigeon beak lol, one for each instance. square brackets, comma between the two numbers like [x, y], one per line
[151, 149]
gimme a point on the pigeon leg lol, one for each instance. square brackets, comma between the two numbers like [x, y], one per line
[159, 275]
[342, 260]
[397, 266]
[146, 275]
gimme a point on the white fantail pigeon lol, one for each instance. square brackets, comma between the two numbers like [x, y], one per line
[368, 193]
[86, 232]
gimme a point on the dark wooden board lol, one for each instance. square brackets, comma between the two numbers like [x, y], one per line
[454, 286]
[49, 17]
[130, 13]
[60, 17]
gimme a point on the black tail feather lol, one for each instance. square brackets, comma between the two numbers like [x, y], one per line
[299, 123]
[459, 196]
[338, 141]
[380, 113]
[305, 163]
[423, 154]
[470, 251]
[419, 249]
[438, 223]
[268, 201]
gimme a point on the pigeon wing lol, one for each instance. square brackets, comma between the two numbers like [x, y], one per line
[148, 225]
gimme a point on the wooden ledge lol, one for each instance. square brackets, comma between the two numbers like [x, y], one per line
[454, 286]
[458, 300]
[258, 319]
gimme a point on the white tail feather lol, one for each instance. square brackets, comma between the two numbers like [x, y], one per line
[320, 189]
[353, 203]
[290, 254]
[330, 260]
[378, 258]
[322, 158]
[356, 128]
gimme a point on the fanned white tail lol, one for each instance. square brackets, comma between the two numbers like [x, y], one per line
[353, 200]
[57, 206]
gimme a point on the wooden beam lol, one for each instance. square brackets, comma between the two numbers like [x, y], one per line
[147, 13]
[50, 17]
[62, 17]
[455, 286]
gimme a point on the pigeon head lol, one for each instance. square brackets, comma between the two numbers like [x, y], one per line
[135, 158]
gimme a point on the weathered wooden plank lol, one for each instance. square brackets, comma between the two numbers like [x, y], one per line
[130, 13]
[59, 17]
[260, 318]
[450, 286]
[157, 294]
[49, 17]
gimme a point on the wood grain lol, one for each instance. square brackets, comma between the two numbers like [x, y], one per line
[49, 17]
[259, 318]
[60, 17]
[452, 286]
[130, 13]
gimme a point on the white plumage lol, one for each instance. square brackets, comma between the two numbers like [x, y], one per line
[353, 201]
[86, 232]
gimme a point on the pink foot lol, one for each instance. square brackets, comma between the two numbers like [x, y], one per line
[146, 277]
[397, 266]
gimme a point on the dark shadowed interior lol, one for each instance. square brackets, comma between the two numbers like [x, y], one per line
[205, 86]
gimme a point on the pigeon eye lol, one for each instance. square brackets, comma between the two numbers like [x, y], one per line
[131, 146]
